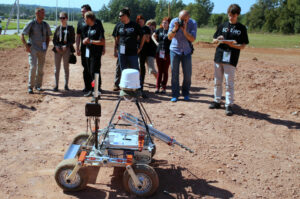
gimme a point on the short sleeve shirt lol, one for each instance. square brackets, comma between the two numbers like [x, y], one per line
[180, 44]
[163, 40]
[95, 32]
[81, 25]
[237, 32]
[145, 31]
[129, 34]
[114, 34]
[38, 33]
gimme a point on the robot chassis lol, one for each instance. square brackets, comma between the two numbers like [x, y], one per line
[112, 147]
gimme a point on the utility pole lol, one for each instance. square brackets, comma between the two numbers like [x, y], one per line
[56, 13]
[18, 16]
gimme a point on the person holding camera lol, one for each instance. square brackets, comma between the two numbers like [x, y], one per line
[182, 32]
[39, 33]
[63, 40]
[232, 37]
[95, 46]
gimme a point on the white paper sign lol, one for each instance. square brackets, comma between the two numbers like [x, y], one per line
[122, 49]
[87, 53]
[226, 56]
[162, 54]
[44, 46]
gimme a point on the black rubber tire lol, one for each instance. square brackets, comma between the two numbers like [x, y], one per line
[69, 164]
[80, 137]
[142, 169]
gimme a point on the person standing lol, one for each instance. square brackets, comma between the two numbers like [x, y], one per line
[146, 32]
[182, 32]
[118, 68]
[95, 42]
[160, 38]
[128, 34]
[151, 50]
[232, 37]
[80, 48]
[39, 36]
[63, 40]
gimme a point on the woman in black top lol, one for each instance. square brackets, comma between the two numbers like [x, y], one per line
[95, 42]
[63, 40]
[160, 37]
[232, 37]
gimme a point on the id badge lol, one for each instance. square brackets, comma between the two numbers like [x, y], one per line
[87, 52]
[226, 56]
[162, 54]
[44, 46]
[122, 49]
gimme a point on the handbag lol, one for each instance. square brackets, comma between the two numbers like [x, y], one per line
[72, 59]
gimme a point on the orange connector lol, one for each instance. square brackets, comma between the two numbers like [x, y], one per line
[129, 159]
[82, 156]
[141, 140]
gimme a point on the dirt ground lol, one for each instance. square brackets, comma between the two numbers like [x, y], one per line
[254, 154]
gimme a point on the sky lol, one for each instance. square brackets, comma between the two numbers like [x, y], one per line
[220, 5]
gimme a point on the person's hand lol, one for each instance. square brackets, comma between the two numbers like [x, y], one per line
[86, 41]
[229, 42]
[220, 37]
[176, 27]
[78, 52]
[115, 52]
[27, 48]
[139, 50]
[64, 48]
[103, 51]
[183, 28]
[58, 49]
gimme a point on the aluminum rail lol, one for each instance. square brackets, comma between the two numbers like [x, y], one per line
[153, 132]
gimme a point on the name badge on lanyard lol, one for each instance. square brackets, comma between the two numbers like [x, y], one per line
[122, 49]
[44, 46]
[87, 52]
[226, 56]
[162, 54]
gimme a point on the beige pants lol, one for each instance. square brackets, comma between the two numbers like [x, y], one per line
[65, 56]
[36, 70]
[151, 66]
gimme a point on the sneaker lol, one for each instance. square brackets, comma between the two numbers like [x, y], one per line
[116, 88]
[55, 89]
[214, 105]
[186, 98]
[90, 93]
[67, 88]
[229, 111]
[39, 89]
[30, 91]
[174, 99]
[163, 91]
[157, 91]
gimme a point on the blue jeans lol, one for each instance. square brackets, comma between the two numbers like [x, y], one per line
[128, 61]
[186, 62]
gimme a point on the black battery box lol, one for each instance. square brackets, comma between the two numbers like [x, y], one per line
[92, 110]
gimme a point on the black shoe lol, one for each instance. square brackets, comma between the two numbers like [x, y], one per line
[90, 93]
[163, 91]
[116, 88]
[85, 90]
[55, 89]
[215, 105]
[39, 89]
[229, 111]
[157, 91]
[30, 91]
[67, 88]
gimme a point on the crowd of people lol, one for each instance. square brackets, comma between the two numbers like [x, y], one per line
[137, 44]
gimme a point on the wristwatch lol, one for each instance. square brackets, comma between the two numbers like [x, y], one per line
[173, 32]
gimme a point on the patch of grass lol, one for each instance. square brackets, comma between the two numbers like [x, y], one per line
[257, 40]
[10, 41]
[12, 25]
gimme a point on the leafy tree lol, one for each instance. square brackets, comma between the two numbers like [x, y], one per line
[217, 19]
[201, 11]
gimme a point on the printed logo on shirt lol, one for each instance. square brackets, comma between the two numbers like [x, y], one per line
[232, 30]
[128, 30]
[92, 32]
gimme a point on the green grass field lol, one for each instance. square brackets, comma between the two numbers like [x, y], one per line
[257, 40]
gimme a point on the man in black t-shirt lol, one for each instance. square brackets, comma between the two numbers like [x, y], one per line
[118, 69]
[95, 42]
[80, 48]
[128, 34]
[232, 37]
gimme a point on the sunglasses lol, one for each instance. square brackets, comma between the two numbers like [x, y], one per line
[62, 17]
[121, 15]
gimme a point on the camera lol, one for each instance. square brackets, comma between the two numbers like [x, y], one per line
[181, 23]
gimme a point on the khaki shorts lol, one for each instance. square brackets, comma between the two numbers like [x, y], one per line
[151, 66]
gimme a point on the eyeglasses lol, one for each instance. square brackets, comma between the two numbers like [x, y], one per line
[62, 17]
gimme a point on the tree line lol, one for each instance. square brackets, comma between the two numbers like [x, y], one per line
[264, 16]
